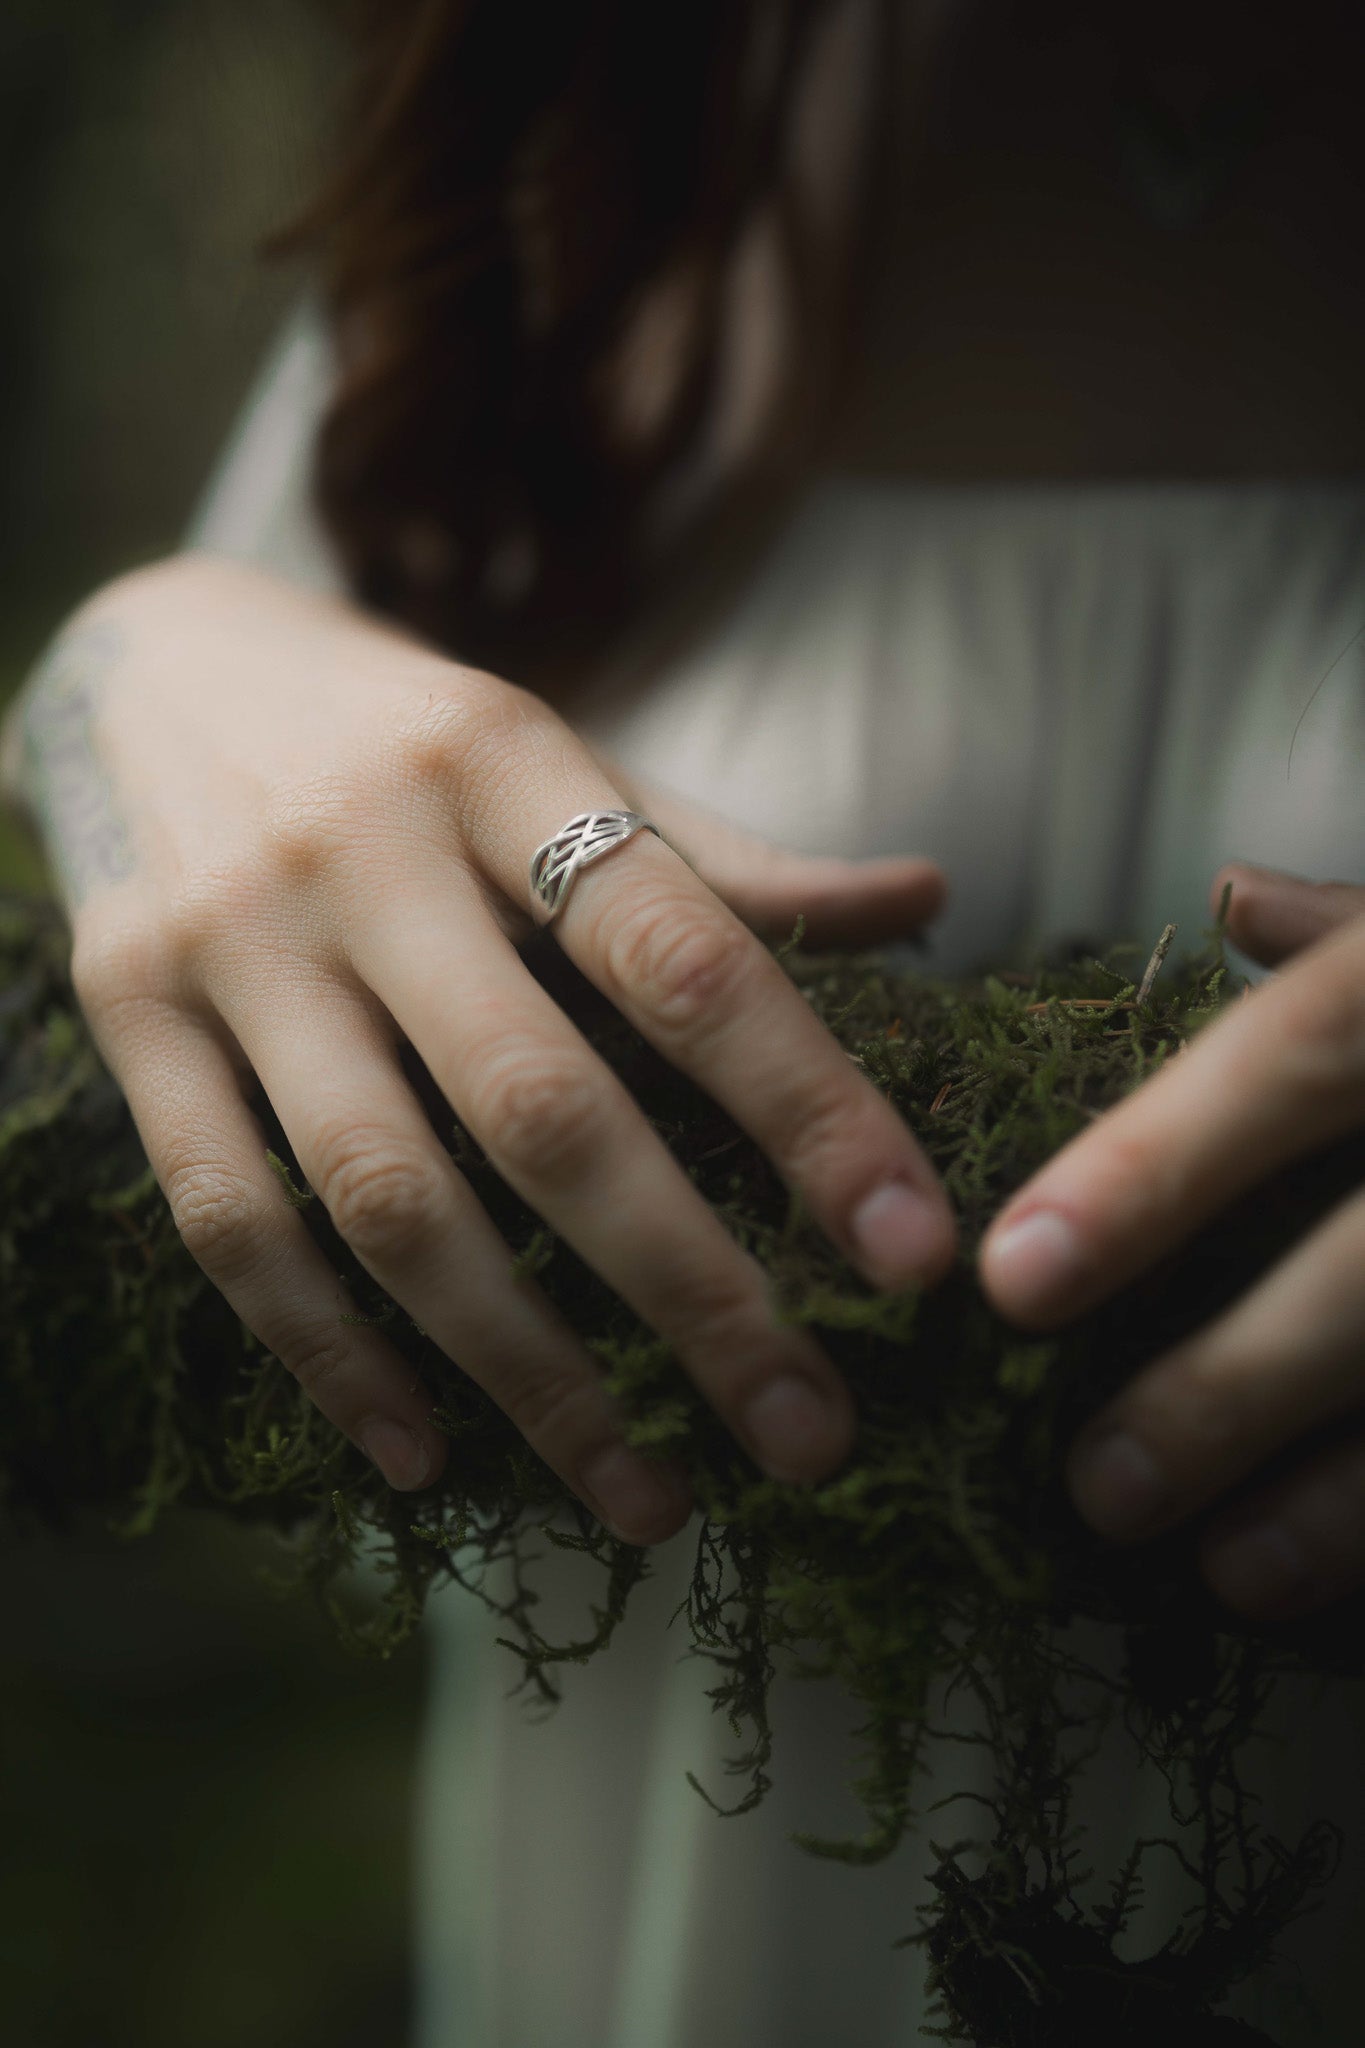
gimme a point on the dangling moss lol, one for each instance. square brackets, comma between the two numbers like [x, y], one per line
[945, 1552]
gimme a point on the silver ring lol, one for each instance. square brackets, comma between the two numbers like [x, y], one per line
[587, 837]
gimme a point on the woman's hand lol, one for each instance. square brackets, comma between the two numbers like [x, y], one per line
[290, 839]
[1274, 1077]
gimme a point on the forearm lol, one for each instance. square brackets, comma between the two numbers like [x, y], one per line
[256, 509]
[51, 776]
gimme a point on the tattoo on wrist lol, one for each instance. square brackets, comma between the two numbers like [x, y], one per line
[73, 799]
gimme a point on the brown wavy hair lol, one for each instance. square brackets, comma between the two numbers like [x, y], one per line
[525, 254]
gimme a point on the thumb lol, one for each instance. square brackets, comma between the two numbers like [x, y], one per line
[1273, 915]
[843, 902]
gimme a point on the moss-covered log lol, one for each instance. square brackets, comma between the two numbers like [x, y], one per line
[945, 1548]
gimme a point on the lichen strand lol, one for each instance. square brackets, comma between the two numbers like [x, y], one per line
[944, 1553]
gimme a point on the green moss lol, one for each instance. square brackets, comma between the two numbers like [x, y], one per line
[945, 1552]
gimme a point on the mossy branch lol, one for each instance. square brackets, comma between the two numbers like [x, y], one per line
[945, 1552]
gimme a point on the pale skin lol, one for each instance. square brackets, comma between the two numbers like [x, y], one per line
[290, 838]
[1275, 1077]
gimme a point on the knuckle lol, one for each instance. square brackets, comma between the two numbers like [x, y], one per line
[212, 905]
[550, 1408]
[429, 746]
[825, 1125]
[221, 1219]
[715, 1316]
[314, 1358]
[117, 965]
[1147, 1176]
[540, 1111]
[1322, 1029]
[1204, 1431]
[476, 720]
[379, 1195]
[1205, 1413]
[307, 831]
[682, 963]
[458, 754]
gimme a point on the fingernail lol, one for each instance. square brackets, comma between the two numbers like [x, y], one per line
[398, 1451]
[791, 1428]
[634, 1499]
[1030, 1260]
[1118, 1486]
[1260, 1569]
[898, 1235]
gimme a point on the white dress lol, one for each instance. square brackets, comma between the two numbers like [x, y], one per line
[1081, 700]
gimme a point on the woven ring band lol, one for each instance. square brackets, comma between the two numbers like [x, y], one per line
[587, 837]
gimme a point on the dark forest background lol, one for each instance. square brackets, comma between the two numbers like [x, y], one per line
[204, 1803]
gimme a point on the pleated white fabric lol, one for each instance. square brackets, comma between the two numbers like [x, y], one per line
[1081, 700]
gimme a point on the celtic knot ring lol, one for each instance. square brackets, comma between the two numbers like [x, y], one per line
[587, 837]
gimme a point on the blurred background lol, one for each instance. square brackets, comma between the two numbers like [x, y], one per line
[204, 1803]
[203, 1800]
[146, 148]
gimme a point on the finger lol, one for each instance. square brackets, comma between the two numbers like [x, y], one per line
[1270, 1079]
[208, 1152]
[703, 990]
[1288, 1356]
[843, 902]
[1272, 915]
[1295, 1546]
[368, 1151]
[566, 1134]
